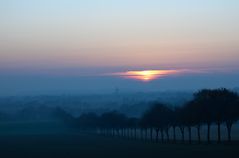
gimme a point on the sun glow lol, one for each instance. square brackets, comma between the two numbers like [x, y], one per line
[146, 75]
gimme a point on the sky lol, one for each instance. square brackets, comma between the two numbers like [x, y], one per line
[77, 46]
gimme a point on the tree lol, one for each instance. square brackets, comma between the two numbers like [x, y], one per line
[197, 117]
[203, 99]
[88, 121]
[209, 106]
[174, 122]
[133, 124]
[158, 117]
[146, 121]
[188, 118]
[180, 121]
[230, 108]
[113, 121]
[218, 106]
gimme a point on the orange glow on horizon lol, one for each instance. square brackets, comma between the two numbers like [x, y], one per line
[146, 75]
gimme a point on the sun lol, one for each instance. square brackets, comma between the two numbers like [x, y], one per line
[146, 75]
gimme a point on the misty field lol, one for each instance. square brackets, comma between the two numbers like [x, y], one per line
[52, 140]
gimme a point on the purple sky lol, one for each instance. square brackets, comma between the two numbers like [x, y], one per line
[57, 46]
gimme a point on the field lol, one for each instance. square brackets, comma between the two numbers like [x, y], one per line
[49, 141]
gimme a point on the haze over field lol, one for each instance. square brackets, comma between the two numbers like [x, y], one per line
[76, 46]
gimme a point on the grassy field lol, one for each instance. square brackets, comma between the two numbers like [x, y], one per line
[52, 141]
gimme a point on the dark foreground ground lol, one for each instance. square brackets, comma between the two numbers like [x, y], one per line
[71, 144]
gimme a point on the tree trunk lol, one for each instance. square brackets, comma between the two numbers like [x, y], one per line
[218, 132]
[135, 133]
[113, 132]
[130, 133]
[129, 129]
[174, 134]
[157, 135]
[141, 134]
[146, 134]
[229, 127]
[117, 132]
[151, 134]
[199, 134]
[167, 134]
[162, 136]
[190, 134]
[208, 133]
[126, 133]
[182, 132]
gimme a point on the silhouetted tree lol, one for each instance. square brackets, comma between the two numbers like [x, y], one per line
[187, 116]
[196, 116]
[113, 121]
[158, 117]
[174, 122]
[229, 108]
[133, 124]
[204, 100]
[207, 107]
[180, 121]
[219, 105]
[145, 122]
[88, 121]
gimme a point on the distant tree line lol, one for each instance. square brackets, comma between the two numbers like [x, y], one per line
[208, 107]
